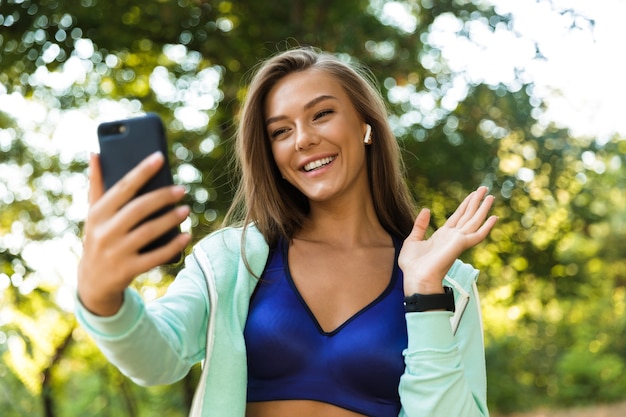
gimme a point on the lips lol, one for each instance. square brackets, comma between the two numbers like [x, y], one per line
[313, 165]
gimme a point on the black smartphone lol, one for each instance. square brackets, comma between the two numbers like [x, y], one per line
[125, 143]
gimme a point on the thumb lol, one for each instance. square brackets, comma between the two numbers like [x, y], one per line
[421, 225]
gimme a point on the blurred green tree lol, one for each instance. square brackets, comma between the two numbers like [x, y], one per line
[554, 274]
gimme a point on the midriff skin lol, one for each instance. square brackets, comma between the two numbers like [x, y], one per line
[300, 408]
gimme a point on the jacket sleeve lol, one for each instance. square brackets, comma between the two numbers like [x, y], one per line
[158, 342]
[445, 372]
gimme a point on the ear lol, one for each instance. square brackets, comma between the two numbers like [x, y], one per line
[368, 135]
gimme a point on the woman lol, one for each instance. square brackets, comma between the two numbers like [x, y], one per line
[301, 309]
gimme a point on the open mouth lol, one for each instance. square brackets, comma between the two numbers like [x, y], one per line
[312, 166]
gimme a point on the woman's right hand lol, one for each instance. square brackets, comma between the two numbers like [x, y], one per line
[112, 238]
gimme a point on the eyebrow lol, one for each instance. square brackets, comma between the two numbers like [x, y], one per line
[306, 107]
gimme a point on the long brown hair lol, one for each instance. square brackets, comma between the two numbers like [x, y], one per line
[273, 205]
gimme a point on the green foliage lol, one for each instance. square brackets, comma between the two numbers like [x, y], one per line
[554, 273]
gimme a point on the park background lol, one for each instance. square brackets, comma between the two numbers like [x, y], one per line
[475, 97]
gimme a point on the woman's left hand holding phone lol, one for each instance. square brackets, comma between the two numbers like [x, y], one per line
[113, 236]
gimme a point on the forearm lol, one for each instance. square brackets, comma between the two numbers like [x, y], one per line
[155, 343]
[438, 380]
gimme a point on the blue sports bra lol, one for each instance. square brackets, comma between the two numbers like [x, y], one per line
[356, 366]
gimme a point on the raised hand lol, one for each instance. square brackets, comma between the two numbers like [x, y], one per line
[425, 262]
[113, 239]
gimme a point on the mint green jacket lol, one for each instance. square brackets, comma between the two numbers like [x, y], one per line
[203, 313]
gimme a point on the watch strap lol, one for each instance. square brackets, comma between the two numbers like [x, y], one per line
[427, 302]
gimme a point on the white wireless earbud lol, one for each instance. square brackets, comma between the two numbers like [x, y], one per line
[368, 134]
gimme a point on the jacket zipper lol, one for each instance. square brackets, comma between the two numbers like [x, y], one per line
[204, 263]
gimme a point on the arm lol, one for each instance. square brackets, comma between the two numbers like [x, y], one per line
[158, 342]
[445, 372]
[113, 238]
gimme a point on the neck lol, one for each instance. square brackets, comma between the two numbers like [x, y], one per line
[344, 224]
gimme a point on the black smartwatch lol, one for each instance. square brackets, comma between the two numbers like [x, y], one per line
[426, 302]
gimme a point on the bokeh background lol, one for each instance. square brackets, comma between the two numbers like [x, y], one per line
[498, 93]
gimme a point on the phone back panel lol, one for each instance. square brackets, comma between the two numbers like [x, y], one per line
[123, 144]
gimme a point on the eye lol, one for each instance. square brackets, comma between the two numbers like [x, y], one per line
[274, 134]
[322, 113]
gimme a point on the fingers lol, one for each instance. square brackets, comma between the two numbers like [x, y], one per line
[149, 231]
[476, 213]
[126, 188]
[425, 262]
[453, 220]
[421, 225]
[476, 201]
[472, 211]
[142, 207]
[132, 232]
[473, 221]
[484, 230]
[480, 214]
[162, 254]
[116, 232]
[154, 228]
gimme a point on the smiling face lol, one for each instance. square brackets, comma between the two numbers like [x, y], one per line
[317, 136]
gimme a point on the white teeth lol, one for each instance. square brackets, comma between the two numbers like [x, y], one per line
[316, 164]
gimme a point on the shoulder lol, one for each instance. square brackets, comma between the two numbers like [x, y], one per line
[230, 239]
[225, 245]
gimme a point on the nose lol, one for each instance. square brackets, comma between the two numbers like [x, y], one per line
[305, 138]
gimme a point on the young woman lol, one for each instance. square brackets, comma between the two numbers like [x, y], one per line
[321, 296]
